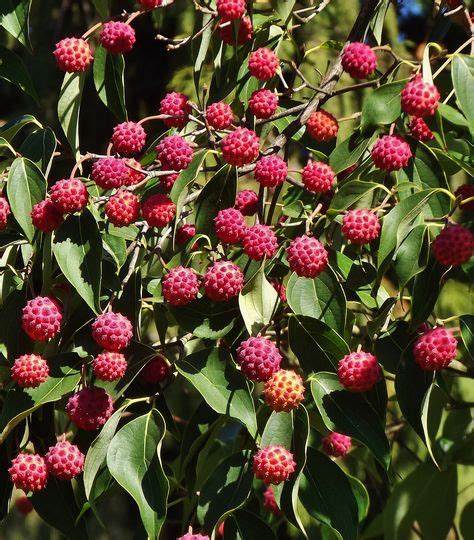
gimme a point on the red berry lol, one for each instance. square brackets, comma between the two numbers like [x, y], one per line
[263, 103]
[158, 210]
[112, 331]
[360, 226]
[123, 208]
[259, 358]
[191, 536]
[270, 503]
[318, 177]
[110, 366]
[391, 153]
[156, 370]
[222, 281]
[134, 177]
[28, 472]
[263, 63]
[420, 98]
[41, 318]
[150, 4]
[73, 55]
[247, 202]
[230, 225]
[23, 505]
[284, 391]
[358, 371]
[322, 126]
[244, 34]
[128, 138]
[231, 9]
[30, 370]
[466, 191]
[420, 130]
[69, 196]
[110, 173]
[271, 171]
[219, 115]
[260, 241]
[307, 256]
[240, 147]
[174, 153]
[180, 286]
[64, 460]
[280, 289]
[359, 60]
[336, 444]
[5, 211]
[175, 104]
[435, 349]
[45, 216]
[453, 246]
[185, 233]
[90, 408]
[167, 181]
[117, 37]
[273, 464]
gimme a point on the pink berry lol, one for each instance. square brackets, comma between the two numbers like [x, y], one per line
[419, 98]
[263, 63]
[30, 370]
[41, 318]
[90, 408]
[110, 366]
[231, 9]
[64, 460]
[222, 281]
[73, 55]
[391, 153]
[167, 181]
[219, 115]
[263, 103]
[322, 126]
[435, 349]
[156, 370]
[307, 256]
[110, 173]
[336, 444]
[280, 289]
[246, 202]
[191, 536]
[117, 37]
[134, 177]
[360, 226]
[271, 171]
[420, 130]
[260, 241]
[5, 211]
[150, 4]
[273, 464]
[270, 503]
[359, 60]
[240, 147]
[244, 33]
[112, 331]
[128, 138]
[174, 153]
[230, 225]
[158, 210]
[358, 371]
[466, 191]
[259, 358]
[318, 177]
[176, 105]
[180, 286]
[69, 196]
[122, 209]
[185, 233]
[453, 246]
[45, 216]
[28, 472]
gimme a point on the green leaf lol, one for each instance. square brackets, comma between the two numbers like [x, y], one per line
[361, 496]
[351, 414]
[258, 302]
[77, 247]
[466, 323]
[69, 106]
[224, 388]
[382, 106]
[134, 460]
[13, 70]
[225, 490]
[284, 8]
[462, 73]
[14, 17]
[432, 408]
[39, 147]
[10, 129]
[199, 56]
[348, 152]
[243, 525]
[390, 345]
[26, 186]
[412, 255]
[109, 81]
[425, 292]
[320, 298]
[278, 430]
[351, 193]
[452, 115]
[102, 7]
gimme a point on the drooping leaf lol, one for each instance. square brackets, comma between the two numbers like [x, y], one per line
[13, 70]
[39, 147]
[348, 152]
[382, 106]
[14, 17]
[10, 129]
[351, 193]
[412, 255]
[243, 525]
[462, 73]
[434, 402]
[109, 81]
[69, 106]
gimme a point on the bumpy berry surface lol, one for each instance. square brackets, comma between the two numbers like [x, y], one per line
[29, 370]
[219, 115]
[263, 63]
[336, 444]
[110, 173]
[109, 366]
[435, 349]
[73, 55]
[318, 177]
[466, 191]
[359, 60]
[128, 138]
[90, 408]
[263, 103]
[246, 202]
[45, 216]
[123, 208]
[273, 464]
[69, 196]
[167, 181]
[150, 4]
[279, 288]
[117, 37]
[307, 256]
[391, 153]
[420, 130]
[270, 503]
[28, 472]
[231, 9]
[322, 126]
[175, 104]
[358, 371]
[192, 536]
[64, 460]
[222, 281]
[284, 391]
[180, 286]
[41, 318]
[271, 171]
[244, 33]
[229, 225]
[158, 210]
[419, 98]
[453, 246]
[240, 147]
[360, 226]
[174, 153]
[185, 233]
[259, 358]
[260, 241]
[112, 331]
[5, 211]
[133, 177]
[23, 505]
[157, 370]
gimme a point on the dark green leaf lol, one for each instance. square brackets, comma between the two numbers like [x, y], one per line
[466, 322]
[382, 106]
[69, 106]
[109, 81]
[278, 430]
[348, 152]
[10, 129]
[390, 345]
[432, 408]
[412, 255]
[462, 73]
[201, 53]
[243, 525]
[13, 70]
[425, 291]
[351, 193]
[284, 8]
[14, 17]
[102, 7]
[39, 147]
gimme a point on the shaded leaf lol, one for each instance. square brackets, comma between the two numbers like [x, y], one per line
[382, 106]
[243, 525]
[39, 147]
[69, 106]
[14, 17]
[13, 70]
[109, 81]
